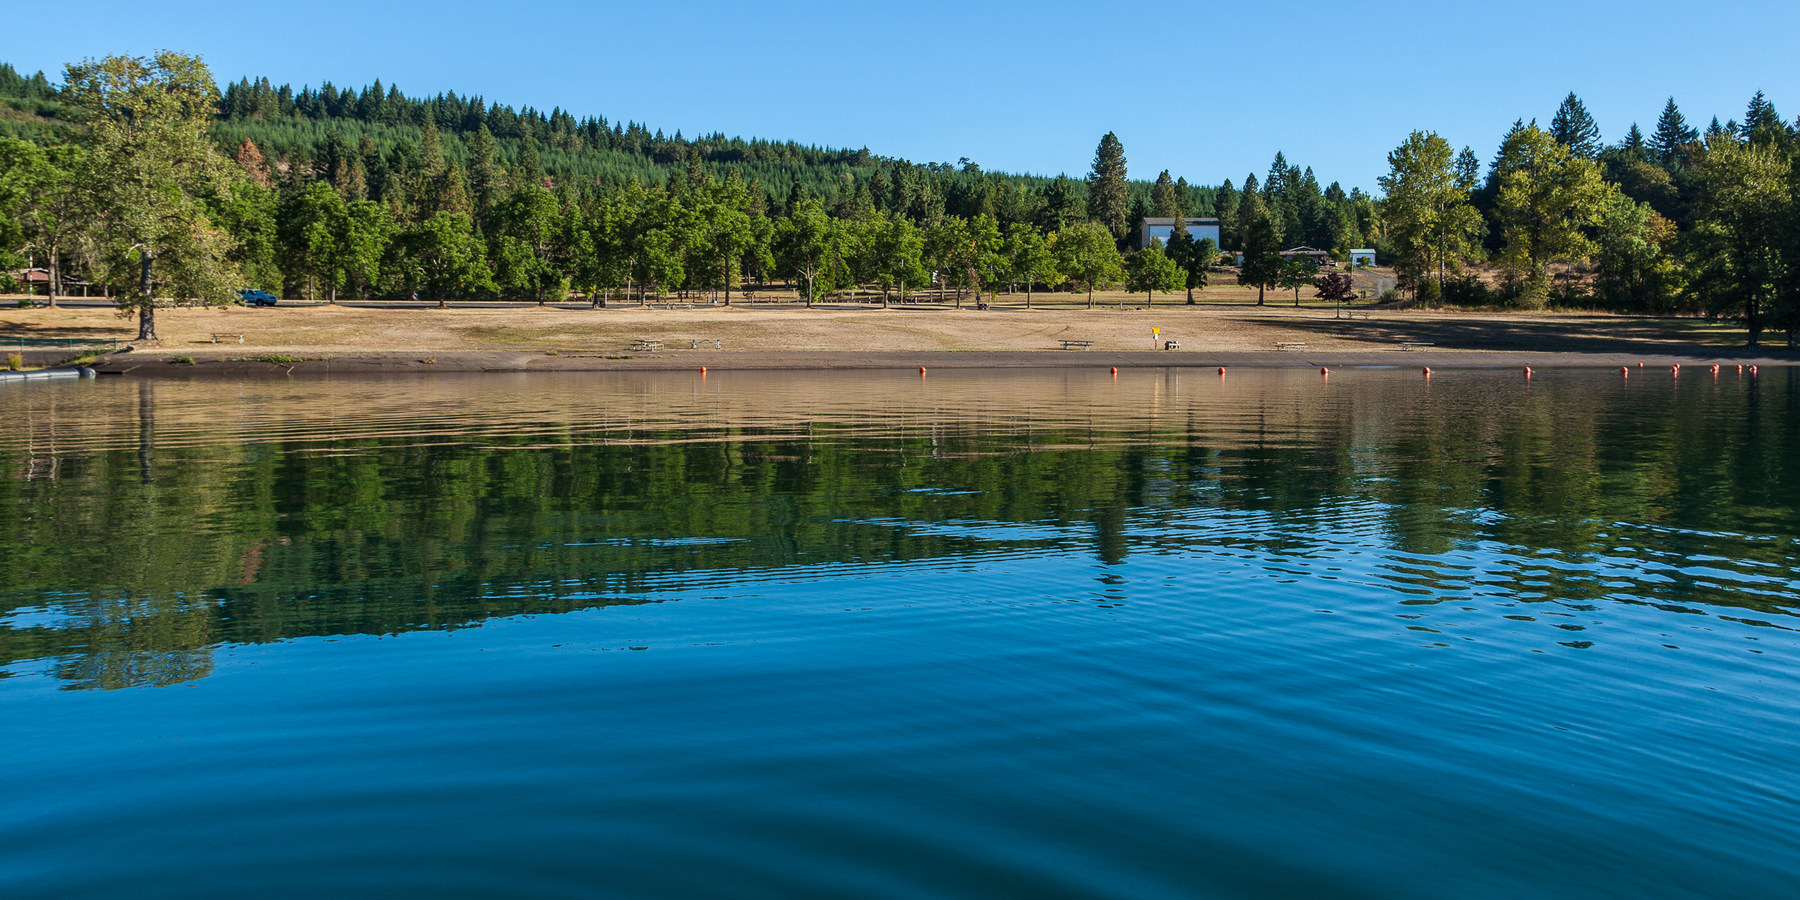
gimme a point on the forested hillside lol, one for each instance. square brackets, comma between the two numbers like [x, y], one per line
[370, 192]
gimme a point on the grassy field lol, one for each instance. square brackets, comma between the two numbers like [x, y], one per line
[1223, 322]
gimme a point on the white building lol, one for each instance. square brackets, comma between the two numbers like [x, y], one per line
[1162, 228]
[1362, 257]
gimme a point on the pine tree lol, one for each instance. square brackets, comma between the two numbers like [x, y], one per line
[1107, 199]
[1634, 144]
[1467, 168]
[1762, 124]
[530, 168]
[1225, 207]
[1164, 200]
[484, 172]
[1575, 129]
[1672, 134]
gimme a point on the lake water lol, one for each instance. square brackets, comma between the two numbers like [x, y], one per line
[976, 634]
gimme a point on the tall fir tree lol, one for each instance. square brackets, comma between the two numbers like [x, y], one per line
[484, 172]
[1165, 201]
[1634, 145]
[1575, 129]
[1672, 134]
[1108, 201]
[1762, 124]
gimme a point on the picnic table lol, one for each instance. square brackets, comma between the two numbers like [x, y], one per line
[1071, 344]
[1414, 345]
[219, 335]
[695, 344]
[1290, 345]
[647, 345]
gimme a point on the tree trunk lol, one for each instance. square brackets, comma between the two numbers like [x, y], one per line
[146, 310]
[55, 275]
[1259, 295]
[1090, 295]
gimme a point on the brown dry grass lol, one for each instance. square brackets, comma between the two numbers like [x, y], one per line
[316, 330]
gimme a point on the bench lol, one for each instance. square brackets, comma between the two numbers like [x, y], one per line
[1358, 312]
[1073, 344]
[216, 335]
[1290, 345]
[1414, 345]
[1171, 345]
[695, 345]
[646, 345]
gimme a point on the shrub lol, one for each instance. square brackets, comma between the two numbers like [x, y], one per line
[1469, 290]
[15, 361]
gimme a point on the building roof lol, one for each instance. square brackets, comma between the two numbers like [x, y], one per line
[1170, 220]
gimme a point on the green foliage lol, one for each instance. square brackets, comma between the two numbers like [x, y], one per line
[1431, 222]
[1107, 202]
[1575, 129]
[1262, 264]
[1151, 270]
[149, 174]
[1548, 200]
[1087, 255]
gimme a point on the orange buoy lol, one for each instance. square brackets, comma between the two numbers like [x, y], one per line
[1427, 371]
[703, 370]
[1740, 368]
[1115, 370]
[1527, 371]
[1640, 365]
[1674, 370]
[921, 370]
[1752, 370]
[1624, 371]
[1221, 370]
[1324, 371]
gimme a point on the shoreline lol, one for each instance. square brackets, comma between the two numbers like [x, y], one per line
[157, 363]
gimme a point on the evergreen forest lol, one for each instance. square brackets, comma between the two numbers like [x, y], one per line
[367, 192]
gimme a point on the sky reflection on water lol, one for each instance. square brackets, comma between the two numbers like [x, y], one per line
[810, 634]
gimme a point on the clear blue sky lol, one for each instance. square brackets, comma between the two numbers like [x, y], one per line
[1208, 92]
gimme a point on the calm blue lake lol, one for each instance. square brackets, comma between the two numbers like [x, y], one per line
[867, 634]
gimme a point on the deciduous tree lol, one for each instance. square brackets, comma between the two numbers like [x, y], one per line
[149, 171]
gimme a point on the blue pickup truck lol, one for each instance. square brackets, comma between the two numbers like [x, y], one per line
[256, 297]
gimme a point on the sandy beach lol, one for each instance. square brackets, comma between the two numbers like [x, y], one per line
[345, 338]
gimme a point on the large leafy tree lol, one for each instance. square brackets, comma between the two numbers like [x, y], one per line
[1029, 258]
[149, 172]
[1151, 270]
[804, 241]
[897, 252]
[1432, 224]
[42, 202]
[530, 258]
[309, 236]
[1743, 206]
[1087, 254]
[1296, 274]
[1548, 200]
[442, 255]
[1108, 200]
